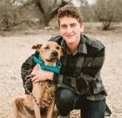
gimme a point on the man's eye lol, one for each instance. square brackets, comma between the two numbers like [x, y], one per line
[63, 26]
[73, 25]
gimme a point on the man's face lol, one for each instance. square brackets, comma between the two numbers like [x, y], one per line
[70, 29]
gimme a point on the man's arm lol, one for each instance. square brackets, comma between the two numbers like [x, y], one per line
[41, 75]
[28, 66]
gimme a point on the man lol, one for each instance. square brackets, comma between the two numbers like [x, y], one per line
[79, 83]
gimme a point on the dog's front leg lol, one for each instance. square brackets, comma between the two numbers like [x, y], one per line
[15, 110]
[37, 92]
[51, 109]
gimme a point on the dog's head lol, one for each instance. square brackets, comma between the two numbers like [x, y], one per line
[50, 52]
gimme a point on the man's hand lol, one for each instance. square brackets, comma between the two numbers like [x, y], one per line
[41, 75]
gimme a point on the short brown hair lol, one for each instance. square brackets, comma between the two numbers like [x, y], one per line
[70, 11]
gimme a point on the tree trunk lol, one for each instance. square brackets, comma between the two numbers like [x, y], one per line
[49, 8]
[106, 25]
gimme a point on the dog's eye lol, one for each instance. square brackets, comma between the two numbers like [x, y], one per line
[57, 47]
[46, 47]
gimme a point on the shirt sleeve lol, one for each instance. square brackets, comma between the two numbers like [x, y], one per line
[28, 66]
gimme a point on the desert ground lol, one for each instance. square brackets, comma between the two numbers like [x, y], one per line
[15, 48]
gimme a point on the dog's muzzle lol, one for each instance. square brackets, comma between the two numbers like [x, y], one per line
[53, 56]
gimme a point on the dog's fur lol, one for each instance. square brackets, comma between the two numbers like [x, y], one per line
[25, 106]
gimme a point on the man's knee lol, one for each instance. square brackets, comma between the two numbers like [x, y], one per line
[65, 97]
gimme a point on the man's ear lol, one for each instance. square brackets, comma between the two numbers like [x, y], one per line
[37, 47]
[82, 27]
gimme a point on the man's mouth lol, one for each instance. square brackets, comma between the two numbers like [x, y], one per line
[69, 35]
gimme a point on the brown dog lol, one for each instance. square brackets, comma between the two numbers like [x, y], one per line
[28, 106]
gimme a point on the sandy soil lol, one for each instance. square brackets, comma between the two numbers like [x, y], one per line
[15, 48]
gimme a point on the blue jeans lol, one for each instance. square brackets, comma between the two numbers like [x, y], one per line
[66, 101]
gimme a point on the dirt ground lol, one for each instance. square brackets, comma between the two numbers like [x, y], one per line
[16, 47]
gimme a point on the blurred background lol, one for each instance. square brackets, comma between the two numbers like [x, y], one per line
[24, 23]
[16, 14]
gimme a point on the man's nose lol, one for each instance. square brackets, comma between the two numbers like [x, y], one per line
[69, 29]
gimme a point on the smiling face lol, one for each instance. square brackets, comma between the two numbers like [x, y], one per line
[70, 29]
[70, 22]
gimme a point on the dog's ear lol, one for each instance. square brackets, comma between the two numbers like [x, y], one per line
[63, 52]
[37, 47]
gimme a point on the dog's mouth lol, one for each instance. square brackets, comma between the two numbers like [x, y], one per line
[52, 60]
[44, 103]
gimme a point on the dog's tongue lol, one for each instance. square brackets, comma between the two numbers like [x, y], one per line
[44, 103]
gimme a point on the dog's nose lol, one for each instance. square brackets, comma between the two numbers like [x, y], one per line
[54, 53]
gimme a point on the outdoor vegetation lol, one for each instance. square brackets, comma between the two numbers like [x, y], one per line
[32, 12]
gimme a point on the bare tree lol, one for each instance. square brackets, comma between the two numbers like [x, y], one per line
[15, 13]
[7, 16]
[86, 10]
[108, 11]
[49, 8]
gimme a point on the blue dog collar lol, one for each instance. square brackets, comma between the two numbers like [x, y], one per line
[55, 69]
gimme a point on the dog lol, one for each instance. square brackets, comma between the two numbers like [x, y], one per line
[29, 106]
